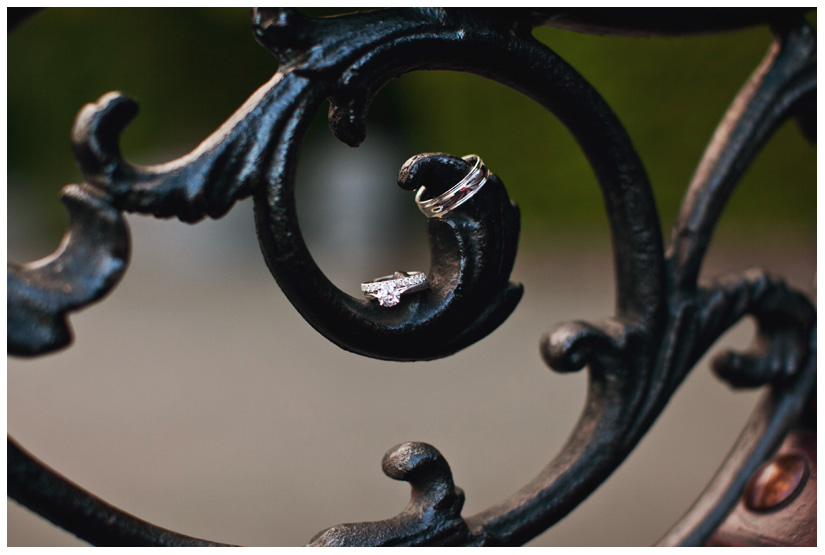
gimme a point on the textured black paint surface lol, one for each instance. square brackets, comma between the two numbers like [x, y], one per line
[89, 262]
[665, 319]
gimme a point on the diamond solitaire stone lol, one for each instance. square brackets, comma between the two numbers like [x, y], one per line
[387, 290]
[388, 295]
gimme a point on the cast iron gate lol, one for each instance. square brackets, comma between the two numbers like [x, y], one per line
[665, 319]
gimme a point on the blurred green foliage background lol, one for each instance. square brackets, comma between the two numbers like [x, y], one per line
[190, 69]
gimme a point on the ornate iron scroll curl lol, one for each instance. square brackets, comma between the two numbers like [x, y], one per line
[89, 262]
[633, 368]
[524, 65]
[398, 42]
[256, 151]
[664, 319]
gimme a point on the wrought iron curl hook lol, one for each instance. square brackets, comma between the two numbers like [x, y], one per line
[432, 517]
[472, 253]
[256, 152]
[88, 264]
[468, 41]
[472, 248]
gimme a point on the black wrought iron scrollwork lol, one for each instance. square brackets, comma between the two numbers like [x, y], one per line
[69, 506]
[433, 516]
[665, 318]
[89, 262]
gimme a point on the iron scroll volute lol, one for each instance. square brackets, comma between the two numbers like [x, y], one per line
[627, 344]
[472, 248]
[256, 151]
[88, 264]
[472, 253]
[401, 41]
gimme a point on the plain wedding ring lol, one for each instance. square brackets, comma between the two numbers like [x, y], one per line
[458, 194]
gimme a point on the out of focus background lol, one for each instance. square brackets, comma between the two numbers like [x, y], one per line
[196, 398]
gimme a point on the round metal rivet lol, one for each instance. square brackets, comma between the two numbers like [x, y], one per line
[775, 482]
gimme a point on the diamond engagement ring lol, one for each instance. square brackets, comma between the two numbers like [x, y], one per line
[458, 194]
[388, 289]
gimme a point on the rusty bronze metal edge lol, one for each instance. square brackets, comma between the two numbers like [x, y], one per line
[777, 411]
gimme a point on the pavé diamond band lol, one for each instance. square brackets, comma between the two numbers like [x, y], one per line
[388, 289]
[458, 194]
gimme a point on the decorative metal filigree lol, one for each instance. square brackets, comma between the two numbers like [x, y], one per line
[665, 320]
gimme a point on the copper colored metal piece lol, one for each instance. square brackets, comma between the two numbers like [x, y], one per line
[776, 482]
[778, 507]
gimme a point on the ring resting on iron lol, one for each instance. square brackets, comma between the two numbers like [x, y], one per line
[458, 194]
[388, 289]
